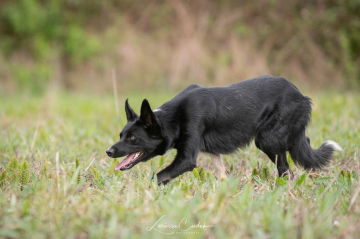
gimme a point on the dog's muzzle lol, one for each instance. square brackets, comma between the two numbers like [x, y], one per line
[110, 152]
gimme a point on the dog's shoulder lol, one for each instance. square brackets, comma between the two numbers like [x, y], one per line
[188, 92]
[183, 98]
[192, 87]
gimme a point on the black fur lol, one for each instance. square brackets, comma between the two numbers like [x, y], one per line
[220, 120]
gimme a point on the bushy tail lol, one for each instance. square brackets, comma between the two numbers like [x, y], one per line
[309, 158]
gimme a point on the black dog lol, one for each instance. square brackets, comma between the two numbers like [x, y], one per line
[220, 120]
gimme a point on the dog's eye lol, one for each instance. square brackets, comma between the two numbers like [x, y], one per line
[132, 137]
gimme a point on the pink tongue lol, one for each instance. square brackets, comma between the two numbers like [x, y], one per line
[125, 162]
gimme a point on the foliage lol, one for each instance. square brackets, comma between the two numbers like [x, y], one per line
[305, 40]
[77, 168]
[24, 174]
[13, 167]
[44, 29]
[40, 25]
[265, 173]
[3, 176]
[44, 171]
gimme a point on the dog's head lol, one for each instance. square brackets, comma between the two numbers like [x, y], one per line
[139, 139]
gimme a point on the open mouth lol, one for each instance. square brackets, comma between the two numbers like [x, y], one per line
[129, 161]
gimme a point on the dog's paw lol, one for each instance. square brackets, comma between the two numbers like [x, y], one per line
[163, 182]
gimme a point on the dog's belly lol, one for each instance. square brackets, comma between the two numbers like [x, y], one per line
[226, 141]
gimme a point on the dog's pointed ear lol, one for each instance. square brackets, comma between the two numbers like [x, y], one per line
[147, 115]
[130, 114]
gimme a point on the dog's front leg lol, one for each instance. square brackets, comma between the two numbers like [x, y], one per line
[182, 163]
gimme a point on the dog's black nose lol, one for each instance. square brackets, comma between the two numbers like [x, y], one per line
[110, 152]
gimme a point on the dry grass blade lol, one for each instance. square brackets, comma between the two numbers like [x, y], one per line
[356, 194]
[90, 164]
[57, 170]
[327, 188]
[35, 134]
[115, 93]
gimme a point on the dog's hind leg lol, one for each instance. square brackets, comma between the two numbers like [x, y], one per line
[219, 166]
[280, 160]
[277, 154]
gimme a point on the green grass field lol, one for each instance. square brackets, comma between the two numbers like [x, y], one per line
[54, 199]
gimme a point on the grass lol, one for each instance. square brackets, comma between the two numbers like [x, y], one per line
[59, 136]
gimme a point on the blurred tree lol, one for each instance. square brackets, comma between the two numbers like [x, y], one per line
[43, 28]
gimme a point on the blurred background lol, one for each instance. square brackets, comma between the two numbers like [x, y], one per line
[77, 45]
